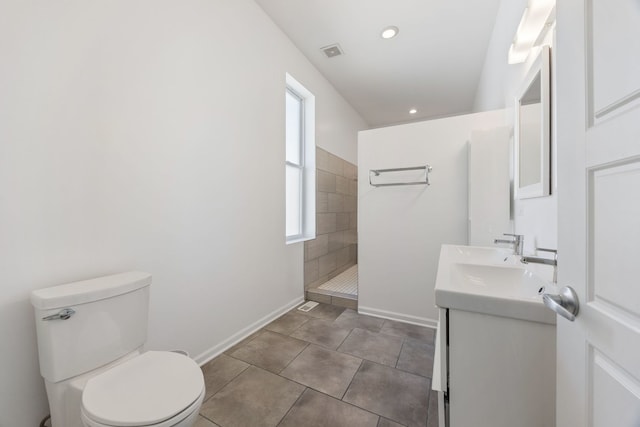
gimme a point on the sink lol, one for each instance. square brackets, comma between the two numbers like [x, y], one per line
[479, 254]
[490, 281]
[497, 280]
[493, 329]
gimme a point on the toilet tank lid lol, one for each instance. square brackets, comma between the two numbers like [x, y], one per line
[89, 290]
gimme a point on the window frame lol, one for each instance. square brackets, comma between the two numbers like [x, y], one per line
[299, 166]
[306, 165]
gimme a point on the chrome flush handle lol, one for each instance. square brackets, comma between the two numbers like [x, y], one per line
[63, 314]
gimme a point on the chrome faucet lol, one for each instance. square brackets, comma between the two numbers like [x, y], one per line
[547, 261]
[517, 242]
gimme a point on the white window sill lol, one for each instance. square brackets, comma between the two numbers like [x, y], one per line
[299, 239]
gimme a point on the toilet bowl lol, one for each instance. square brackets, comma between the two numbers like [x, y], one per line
[90, 336]
[156, 388]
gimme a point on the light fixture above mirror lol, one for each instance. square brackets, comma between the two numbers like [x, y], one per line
[536, 21]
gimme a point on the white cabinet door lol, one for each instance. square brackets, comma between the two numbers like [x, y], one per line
[501, 371]
[598, 100]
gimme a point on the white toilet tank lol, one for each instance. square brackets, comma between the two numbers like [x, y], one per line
[110, 320]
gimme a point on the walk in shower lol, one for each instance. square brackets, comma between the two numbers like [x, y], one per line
[330, 269]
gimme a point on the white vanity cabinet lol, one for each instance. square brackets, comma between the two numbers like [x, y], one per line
[495, 361]
[500, 372]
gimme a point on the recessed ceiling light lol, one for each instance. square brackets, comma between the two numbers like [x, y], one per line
[413, 111]
[389, 32]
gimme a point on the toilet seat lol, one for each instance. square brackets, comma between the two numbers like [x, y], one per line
[190, 414]
[158, 388]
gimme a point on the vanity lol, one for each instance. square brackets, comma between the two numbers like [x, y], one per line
[495, 345]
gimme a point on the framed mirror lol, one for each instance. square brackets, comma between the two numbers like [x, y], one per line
[533, 131]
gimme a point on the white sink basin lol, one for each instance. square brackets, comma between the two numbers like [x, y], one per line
[479, 255]
[497, 280]
[490, 281]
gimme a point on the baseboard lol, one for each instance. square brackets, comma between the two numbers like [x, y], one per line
[405, 318]
[218, 349]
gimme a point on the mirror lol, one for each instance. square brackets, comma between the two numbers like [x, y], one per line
[533, 131]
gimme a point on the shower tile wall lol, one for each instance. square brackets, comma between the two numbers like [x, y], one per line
[335, 247]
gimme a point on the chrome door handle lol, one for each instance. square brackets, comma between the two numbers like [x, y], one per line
[565, 304]
[63, 314]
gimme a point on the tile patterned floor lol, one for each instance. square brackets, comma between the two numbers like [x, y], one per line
[330, 367]
[344, 283]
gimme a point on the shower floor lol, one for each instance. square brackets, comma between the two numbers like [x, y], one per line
[344, 283]
[341, 290]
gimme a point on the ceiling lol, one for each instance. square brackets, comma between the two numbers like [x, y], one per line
[432, 65]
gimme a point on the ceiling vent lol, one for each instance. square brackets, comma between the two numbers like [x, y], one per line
[332, 50]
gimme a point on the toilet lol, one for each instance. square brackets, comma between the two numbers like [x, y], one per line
[90, 345]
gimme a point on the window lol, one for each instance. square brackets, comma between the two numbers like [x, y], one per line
[299, 162]
[294, 163]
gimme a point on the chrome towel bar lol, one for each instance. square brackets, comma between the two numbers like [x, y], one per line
[377, 172]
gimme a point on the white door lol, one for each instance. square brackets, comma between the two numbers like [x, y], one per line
[598, 99]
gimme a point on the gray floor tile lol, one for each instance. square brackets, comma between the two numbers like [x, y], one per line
[416, 357]
[324, 370]
[322, 332]
[325, 311]
[315, 409]
[407, 330]
[351, 319]
[203, 422]
[373, 346]
[243, 342]
[391, 393]
[388, 423]
[270, 351]
[219, 371]
[256, 398]
[432, 420]
[287, 323]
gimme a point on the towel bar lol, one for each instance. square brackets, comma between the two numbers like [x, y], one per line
[377, 172]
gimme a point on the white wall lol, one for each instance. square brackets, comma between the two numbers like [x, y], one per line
[148, 135]
[499, 85]
[401, 229]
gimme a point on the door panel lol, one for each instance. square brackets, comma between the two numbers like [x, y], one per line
[598, 104]
[616, 396]
[613, 41]
[614, 222]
